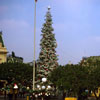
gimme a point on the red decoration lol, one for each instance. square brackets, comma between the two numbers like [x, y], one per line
[15, 84]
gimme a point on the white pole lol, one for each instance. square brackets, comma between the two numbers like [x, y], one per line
[42, 98]
[34, 47]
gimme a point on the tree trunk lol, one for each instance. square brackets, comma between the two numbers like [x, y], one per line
[80, 96]
[64, 95]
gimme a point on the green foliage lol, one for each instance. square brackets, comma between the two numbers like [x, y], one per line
[16, 72]
[76, 79]
[71, 78]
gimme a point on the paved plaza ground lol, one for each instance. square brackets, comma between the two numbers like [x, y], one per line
[2, 98]
[25, 98]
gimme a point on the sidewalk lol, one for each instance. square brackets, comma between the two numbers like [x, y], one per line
[2, 98]
[18, 98]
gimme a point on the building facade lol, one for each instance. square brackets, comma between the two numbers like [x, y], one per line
[3, 50]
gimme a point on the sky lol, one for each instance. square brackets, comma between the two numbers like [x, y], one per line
[76, 26]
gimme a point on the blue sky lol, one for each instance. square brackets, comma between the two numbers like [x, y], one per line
[76, 26]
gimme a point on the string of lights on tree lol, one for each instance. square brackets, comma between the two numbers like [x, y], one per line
[47, 61]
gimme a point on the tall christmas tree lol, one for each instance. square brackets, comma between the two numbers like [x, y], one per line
[47, 61]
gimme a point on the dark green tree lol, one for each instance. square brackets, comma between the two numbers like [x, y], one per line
[13, 54]
[93, 64]
[71, 78]
[16, 72]
[94, 78]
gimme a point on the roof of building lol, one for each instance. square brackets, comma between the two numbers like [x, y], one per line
[1, 39]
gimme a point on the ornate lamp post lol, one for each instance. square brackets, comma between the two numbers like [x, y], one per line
[15, 91]
[44, 79]
[43, 87]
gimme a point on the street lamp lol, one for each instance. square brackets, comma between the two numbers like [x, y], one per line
[15, 91]
[43, 88]
[44, 79]
[38, 86]
[48, 87]
[15, 86]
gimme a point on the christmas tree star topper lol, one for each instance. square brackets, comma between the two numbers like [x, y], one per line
[49, 7]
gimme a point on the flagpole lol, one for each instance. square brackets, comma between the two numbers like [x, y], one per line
[34, 46]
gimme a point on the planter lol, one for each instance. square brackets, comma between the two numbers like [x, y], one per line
[70, 98]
